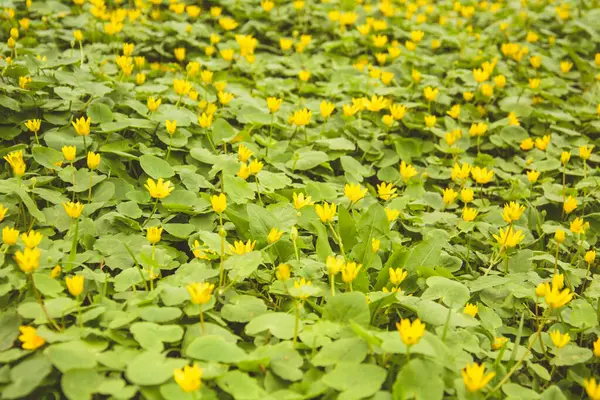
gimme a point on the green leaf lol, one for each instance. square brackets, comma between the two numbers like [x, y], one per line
[151, 336]
[215, 348]
[419, 379]
[26, 376]
[281, 325]
[9, 329]
[350, 350]
[453, 294]
[240, 267]
[355, 381]
[425, 254]
[80, 384]
[47, 157]
[221, 131]
[99, 113]
[71, 355]
[346, 307]
[347, 226]
[150, 368]
[570, 355]
[156, 167]
[241, 386]
[307, 160]
[242, 308]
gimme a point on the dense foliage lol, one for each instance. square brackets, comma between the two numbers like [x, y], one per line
[289, 200]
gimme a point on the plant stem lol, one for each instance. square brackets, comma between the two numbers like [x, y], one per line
[332, 283]
[202, 320]
[90, 190]
[222, 255]
[152, 213]
[297, 323]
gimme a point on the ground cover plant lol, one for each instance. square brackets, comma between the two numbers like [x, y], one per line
[291, 200]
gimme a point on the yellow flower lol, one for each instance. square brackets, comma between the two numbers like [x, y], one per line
[430, 93]
[449, 196]
[15, 160]
[302, 287]
[375, 244]
[354, 192]
[468, 96]
[397, 276]
[189, 378]
[244, 153]
[430, 121]
[69, 152]
[597, 347]
[224, 97]
[591, 388]
[532, 176]
[499, 342]
[416, 36]
[128, 49]
[3, 211]
[478, 129]
[527, 144]
[469, 214]
[326, 108]
[410, 333]
[590, 256]
[585, 152]
[274, 235]
[301, 201]
[379, 40]
[255, 167]
[273, 104]
[467, 194]
[509, 238]
[228, 23]
[153, 234]
[304, 75]
[500, 81]
[283, 272]
[326, 212]
[285, 44]
[32, 239]
[350, 271]
[376, 103]
[200, 292]
[570, 204]
[386, 191]
[29, 338]
[454, 112]
[219, 203]
[555, 296]
[460, 172]
[215, 11]
[559, 236]
[512, 211]
[407, 171]
[398, 111]
[415, 75]
[387, 119]
[28, 260]
[206, 76]
[181, 87]
[513, 120]
[240, 248]
[391, 214]
[543, 142]
[205, 120]
[482, 175]
[10, 235]
[480, 75]
[535, 61]
[171, 126]
[159, 189]
[565, 66]
[23, 80]
[179, 53]
[93, 160]
[487, 90]
[73, 209]
[471, 309]
[301, 117]
[560, 340]
[267, 5]
[534, 83]
[153, 104]
[33, 125]
[334, 264]
[475, 378]
[579, 226]
[82, 126]
[140, 78]
[75, 284]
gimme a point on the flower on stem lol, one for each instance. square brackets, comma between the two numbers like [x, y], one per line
[391, 214]
[350, 271]
[326, 212]
[82, 126]
[590, 256]
[153, 234]
[482, 175]
[554, 293]
[274, 235]
[73, 210]
[171, 126]
[512, 212]
[205, 120]
[407, 171]
[283, 272]
[570, 204]
[69, 152]
[10, 236]
[532, 176]
[326, 108]
[244, 153]
[398, 111]
[93, 160]
[302, 289]
[565, 156]
[460, 172]
[597, 347]
[559, 236]
[560, 340]
[273, 104]
[592, 388]
[301, 117]
[478, 129]
[240, 248]
[475, 378]
[31, 239]
[159, 189]
[454, 112]
[55, 272]
[255, 167]
[499, 342]
[75, 284]
[471, 309]
[585, 152]
[33, 125]
[354, 192]
[334, 264]
[386, 191]
[509, 238]
[301, 201]
[375, 244]
[200, 292]
[28, 260]
[469, 214]
[430, 93]
[410, 333]
[153, 104]
[29, 338]
[189, 378]
[3, 211]
[16, 162]
[579, 226]
[397, 276]
[449, 196]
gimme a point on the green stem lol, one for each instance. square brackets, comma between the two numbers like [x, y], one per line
[202, 320]
[222, 255]
[297, 323]
[337, 239]
[332, 283]
[90, 189]
[137, 265]
[75, 233]
[152, 213]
